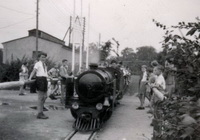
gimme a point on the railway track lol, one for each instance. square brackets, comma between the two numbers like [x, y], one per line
[76, 135]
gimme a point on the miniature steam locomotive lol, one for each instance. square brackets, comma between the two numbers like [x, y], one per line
[93, 95]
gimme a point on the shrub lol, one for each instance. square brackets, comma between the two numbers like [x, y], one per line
[10, 70]
[180, 115]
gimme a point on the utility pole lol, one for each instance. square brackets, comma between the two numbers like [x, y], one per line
[73, 36]
[81, 45]
[99, 40]
[87, 51]
[70, 30]
[83, 41]
[37, 24]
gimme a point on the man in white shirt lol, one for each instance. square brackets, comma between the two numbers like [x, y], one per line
[40, 69]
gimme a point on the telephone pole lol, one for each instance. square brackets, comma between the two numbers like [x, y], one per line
[82, 45]
[87, 49]
[70, 30]
[73, 39]
[37, 24]
[99, 40]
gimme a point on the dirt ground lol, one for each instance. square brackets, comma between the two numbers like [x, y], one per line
[18, 121]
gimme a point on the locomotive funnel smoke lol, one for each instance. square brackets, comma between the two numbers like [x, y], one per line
[94, 57]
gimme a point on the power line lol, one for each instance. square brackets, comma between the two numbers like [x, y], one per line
[16, 23]
[15, 10]
[50, 16]
[56, 8]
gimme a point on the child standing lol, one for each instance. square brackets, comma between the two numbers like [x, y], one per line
[142, 87]
[159, 84]
[23, 76]
[158, 89]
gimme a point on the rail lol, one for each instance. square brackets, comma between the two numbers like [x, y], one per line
[76, 135]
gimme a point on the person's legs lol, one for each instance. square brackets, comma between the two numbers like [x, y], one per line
[142, 100]
[53, 90]
[21, 90]
[63, 90]
[42, 96]
[142, 95]
[40, 102]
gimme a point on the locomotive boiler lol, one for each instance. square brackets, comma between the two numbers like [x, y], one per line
[93, 95]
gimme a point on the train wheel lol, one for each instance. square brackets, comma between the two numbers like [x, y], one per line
[73, 113]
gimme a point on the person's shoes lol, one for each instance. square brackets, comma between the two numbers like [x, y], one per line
[52, 97]
[42, 116]
[140, 108]
[21, 94]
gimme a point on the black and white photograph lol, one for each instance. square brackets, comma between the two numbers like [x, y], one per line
[99, 69]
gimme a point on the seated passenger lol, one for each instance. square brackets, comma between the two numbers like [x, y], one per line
[54, 79]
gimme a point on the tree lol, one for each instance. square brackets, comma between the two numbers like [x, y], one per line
[126, 52]
[146, 53]
[105, 50]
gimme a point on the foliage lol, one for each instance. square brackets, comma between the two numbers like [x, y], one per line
[146, 53]
[127, 52]
[105, 50]
[10, 70]
[180, 119]
[134, 60]
[181, 113]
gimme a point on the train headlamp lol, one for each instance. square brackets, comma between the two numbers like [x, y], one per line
[99, 106]
[75, 105]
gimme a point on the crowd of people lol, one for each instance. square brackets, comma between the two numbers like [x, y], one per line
[52, 82]
[156, 83]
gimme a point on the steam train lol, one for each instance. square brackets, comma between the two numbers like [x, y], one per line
[93, 95]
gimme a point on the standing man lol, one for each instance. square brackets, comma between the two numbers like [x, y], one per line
[40, 69]
[64, 75]
[142, 87]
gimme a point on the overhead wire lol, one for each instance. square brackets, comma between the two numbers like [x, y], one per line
[15, 10]
[56, 8]
[62, 7]
[16, 23]
[50, 16]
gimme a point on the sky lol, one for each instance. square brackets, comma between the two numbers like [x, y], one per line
[128, 21]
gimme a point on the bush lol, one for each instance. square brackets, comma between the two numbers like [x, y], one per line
[180, 115]
[10, 70]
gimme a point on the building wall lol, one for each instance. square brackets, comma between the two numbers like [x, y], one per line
[18, 48]
[25, 47]
[1, 55]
